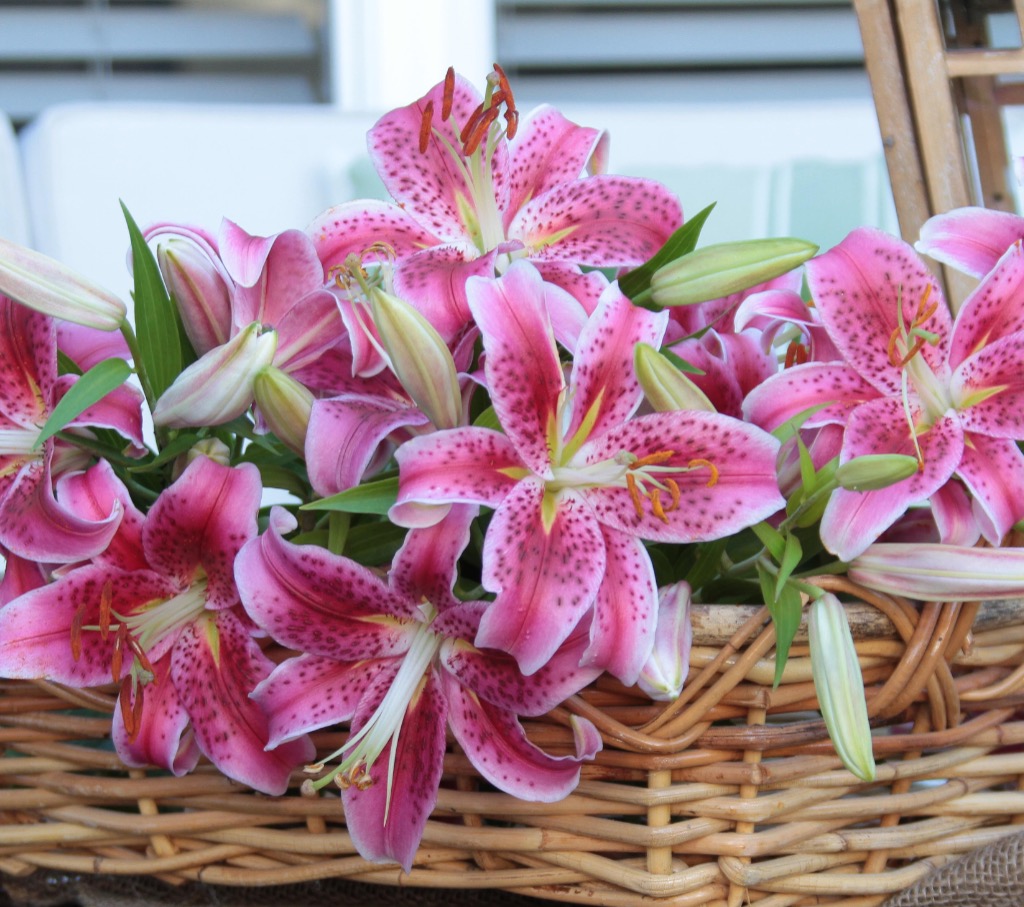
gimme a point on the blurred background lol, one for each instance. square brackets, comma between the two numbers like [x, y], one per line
[257, 109]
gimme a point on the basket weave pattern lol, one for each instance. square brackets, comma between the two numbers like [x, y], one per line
[732, 794]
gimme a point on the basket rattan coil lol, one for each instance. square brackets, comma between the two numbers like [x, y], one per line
[730, 795]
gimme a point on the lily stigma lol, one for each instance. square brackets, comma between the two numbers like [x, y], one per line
[135, 635]
[360, 751]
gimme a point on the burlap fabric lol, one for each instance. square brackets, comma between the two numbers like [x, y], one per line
[990, 877]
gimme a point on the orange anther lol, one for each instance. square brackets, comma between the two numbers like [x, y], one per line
[426, 124]
[511, 123]
[634, 495]
[106, 595]
[479, 130]
[76, 632]
[652, 459]
[658, 510]
[449, 93]
[699, 462]
[471, 122]
[796, 354]
[673, 489]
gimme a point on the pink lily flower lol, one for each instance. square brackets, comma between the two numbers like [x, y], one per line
[33, 523]
[913, 382]
[971, 240]
[272, 283]
[396, 659]
[158, 612]
[577, 483]
[471, 191]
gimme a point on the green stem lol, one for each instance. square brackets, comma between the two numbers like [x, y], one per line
[140, 367]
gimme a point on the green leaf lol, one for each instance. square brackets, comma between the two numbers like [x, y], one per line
[708, 564]
[373, 544]
[92, 387]
[638, 281]
[786, 612]
[791, 557]
[487, 419]
[157, 324]
[373, 497]
[680, 363]
[772, 539]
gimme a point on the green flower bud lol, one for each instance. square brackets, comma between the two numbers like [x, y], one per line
[285, 405]
[840, 686]
[666, 387]
[873, 471]
[726, 268]
[47, 286]
[419, 358]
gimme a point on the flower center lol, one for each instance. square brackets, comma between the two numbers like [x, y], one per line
[135, 635]
[478, 137]
[383, 727]
[648, 479]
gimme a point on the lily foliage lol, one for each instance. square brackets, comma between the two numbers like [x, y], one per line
[515, 423]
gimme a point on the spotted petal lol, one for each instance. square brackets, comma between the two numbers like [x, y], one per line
[626, 609]
[994, 310]
[387, 818]
[860, 286]
[544, 557]
[203, 519]
[993, 470]
[310, 692]
[164, 737]
[724, 470]
[854, 519]
[604, 388]
[314, 601]
[601, 221]
[516, 328]
[495, 743]
[215, 665]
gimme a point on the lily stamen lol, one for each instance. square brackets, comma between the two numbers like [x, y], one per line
[448, 97]
[701, 462]
[426, 125]
[634, 494]
[652, 459]
[479, 130]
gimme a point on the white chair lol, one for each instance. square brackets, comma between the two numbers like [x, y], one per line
[268, 168]
[13, 214]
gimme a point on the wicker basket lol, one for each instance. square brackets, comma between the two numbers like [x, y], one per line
[730, 795]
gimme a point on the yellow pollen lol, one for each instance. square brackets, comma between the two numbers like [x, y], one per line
[699, 462]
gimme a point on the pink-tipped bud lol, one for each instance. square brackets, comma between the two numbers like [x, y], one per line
[40, 283]
[218, 386]
[199, 290]
[663, 675]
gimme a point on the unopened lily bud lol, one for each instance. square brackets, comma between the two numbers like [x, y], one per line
[419, 358]
[218, 386]
[199, 290]
[726, 268]
[941, 573]
[40, 283]
[873, 471]
[840, 686]
[663, 675]
[666, 387]
[210, 448]
[285, 405]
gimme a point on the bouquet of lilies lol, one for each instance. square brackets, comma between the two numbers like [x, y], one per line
[434, 465]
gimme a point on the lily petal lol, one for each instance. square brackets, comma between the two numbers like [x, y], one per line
[214, 665]
[204, 518]
[387, 818]
[467, 465]
[993, 470]
[494, 741]
[860, 286]
[516, 329]
[546, 571]
[314, 601]
[426, 566]
[626, 610]
[164, 737]
[854, 519]
[600, 221]
[994, 310]
[970, 239]
[988, 389]
[310, 692]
